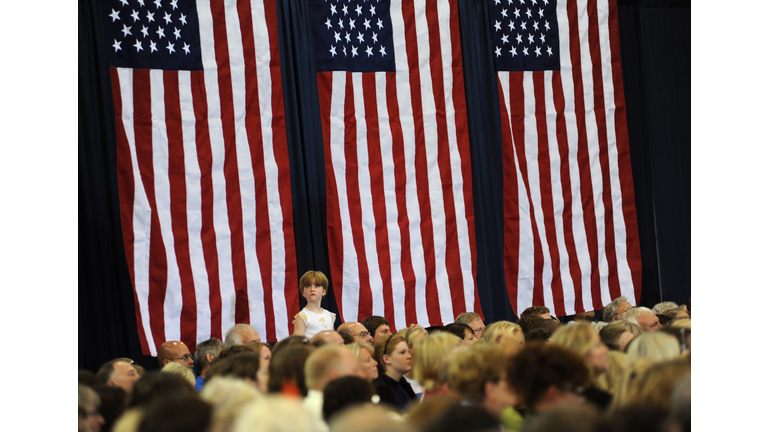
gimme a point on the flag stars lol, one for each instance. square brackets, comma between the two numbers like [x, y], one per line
[348, 37]
[157, 3]
[530, 39]
[517, 13]
[528, 13]
[124, 2]
[183, 19]
[513, 51]
[541, 38]
[519, 39]
[546, 25]
[337, 36]
[332, 51]
[538, 51]
[535, 25]
[186, 48]
[177, 33]
[367, 24]
[541, 13]
[504, 13]
[345, 9]
[115, 15]
[138, 46]
[498, 52]
[174, 3]
[135, 16]
[160, 33]
[369, 51]
[152, 46]
[126, 30]
[380, 24]
[511, 25]
[383, 51]
[373, 10]
[341, 23]
[351, 23]
[333, 10]
[116, 45]
[145, 30]
[150, 16]
[170, 48]
[360, 37]
[375, 38]
[354, 51]
[167, 18]
[328, 23]
[525, 51]
[359, 10]
[549, 51]
[505, 39]
[497, 26]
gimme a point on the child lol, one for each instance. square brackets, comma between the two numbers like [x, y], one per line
[313, 319]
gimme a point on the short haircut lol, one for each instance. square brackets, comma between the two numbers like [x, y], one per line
[287, 366]
[113, 400]
[467, 317]
[235, 349]
[374, 322]
[528, 322]
[210, 346]
[471, 367]
[632, 314]
[458, 329]
[155, 386]
[345, 392]
[179, 369]
[243, 365]
[494, 331]
[535, 310]
[288, 342]
[346, 335]
[579, 338]
[228, 396]
[104, 374]
[537, 334]
[662, 307]
[234, 336]
[321, 363]
[315, 278]
[609, 311]
[611, 333]
[188, 413]
[656, 346]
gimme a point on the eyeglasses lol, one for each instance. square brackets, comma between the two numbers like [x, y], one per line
[362, 334]
[479, 331]
[185, 357]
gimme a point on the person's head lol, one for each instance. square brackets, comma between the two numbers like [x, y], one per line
[656, 346]
[88, 403]
[368, 367]
[575, 417]
[414, 334]
[528, 322]
[478, 375]
[184, 414]
[287, 368]
[313, 286]
[244, 366]
[473, 320]
[507, 334]
[326, 337]
[393, 356]
[377, 326]
[616, 335]
[657, 383]
[462, 331]
[581, 339]
[678, 312]
[174, 351]
[328, 363]
[241, 334]
[345, 392]
[359, 333]
[113, 400]
[536, 334]
[429, 355]
[227, 396]
[368, 418]
[545, 375]
[643, 317]
[585, 317]
[541, 311]
[615, 310]
[205, 352]
[180, 369]
[118, 373]
[156, 385]
[287, 342]
[660, 308]
[609, 381]
[275, 413]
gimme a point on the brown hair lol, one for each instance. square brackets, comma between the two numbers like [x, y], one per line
[386, 345]
[315, 278]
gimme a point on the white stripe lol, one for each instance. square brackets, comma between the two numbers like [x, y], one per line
[172, 301]
[593, 145]
[142, 213]
[619, 228]
[577, 211]
[194, 207]
[366, 200]
[402, 77]
[220, 217]
[390, 201]
[465, 249]
[436, 202]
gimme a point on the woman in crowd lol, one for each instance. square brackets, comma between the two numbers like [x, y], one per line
[429, 362]
[412, 335]
[394, 359]
[364, 353]
[507, 334]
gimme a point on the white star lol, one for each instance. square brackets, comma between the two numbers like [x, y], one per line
[337, 36]
[157, 3]
[152, 47]
[369, 51]
[511, 25]
[504, 12]
[538, 51]
[115, 15]
[360, 37]
[138, 46]
[522, 1]
[160, 32]
[345, 9]
[504, 39]
[124, 2]
[549, 51]
[173, 3]
[183, 19]
[359, 10]
[541, 37]
[497, 26]
[141, 2]
[333, 9]
[513, 51]
[328, 23]
[373, 10]
[519, 39]
[116, 45]
[354, 51]
[177, 33]
[525, 51]
[383, 51]
[170, 47]
[341, 23]
[380, 24]
[530, 38]
[367, 24]
[126, 30]
[496, 1]
[135, 16]
[517, 13]
[541, 13]
[522, 25]
[332, 51]
[351, 23]
[345, 51]
[145, 31]
[546, 25]
[167, 18]
[150, 16]
[546, 2]
[498, 52]
[528, 12]
[375, 38]
[347, 37]
[535, 25]
[509, 1]
[186, 48]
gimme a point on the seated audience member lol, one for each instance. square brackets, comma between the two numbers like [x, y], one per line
[655, 346]
[174, 351]
[345, 392]
[244, 366]
[433, 408]
[537, 334]
[88, 378]
[616, 362]
[377, 326]
[275, 413]
[464, 418]
[576, 417]
[432, 329]
[241, 334]
[528, 322]
[662, 307]
[680, 405]
[582, 340]
[616, 335]
[616, 309]
[289, 341]
[394, 360]
[227, 396]
[628, 381]
[330, 337]
[463, 331]
[473, 320]
[548, 324]
[477, 374]
[541, 311]
[184, 414]
[357, 331]
[678, 312]
[663, 319]
[643, 317]
[508, 335]
[139, 368]
[369, 418]
[654, 387]
[412, 335]
[429, 361]
[113, 400]
[545, 376]
[265, 352]
[584, 317]
[205, 352]
[155, 385]
[118, 373]
[181, 370]
[367, 366]
[323, 366]
[88, 402]
[286, 370]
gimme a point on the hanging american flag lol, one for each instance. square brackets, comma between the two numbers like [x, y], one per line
[571, 240]
[400, 215]
[203, 168]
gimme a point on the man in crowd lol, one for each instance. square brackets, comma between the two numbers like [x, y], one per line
[644, 317]
[616, 309]
[241, 334]
[205, 352]
[323, 366]
[473, 320]
[377, 326]
[118, 373]
[326, 337]
[174, 351]
[357, 331]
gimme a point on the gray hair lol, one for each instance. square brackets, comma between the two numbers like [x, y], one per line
[609, 311]
[234, 337]
[210, 346]
[86, 397]
[662, 307]
[632, 314]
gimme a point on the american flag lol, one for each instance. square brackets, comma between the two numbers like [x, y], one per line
[400, 213]
[203, 167]
[571, 240]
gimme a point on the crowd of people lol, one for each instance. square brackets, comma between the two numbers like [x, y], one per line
[628, 371]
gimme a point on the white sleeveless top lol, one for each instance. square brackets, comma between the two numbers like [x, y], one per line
[316, 322]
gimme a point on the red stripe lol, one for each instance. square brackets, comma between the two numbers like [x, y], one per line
[565, 179]
[253, 129]
[622, 147]
[207, 232]
[398, 154]
[511, 206]
[422, 181]
[597, 77]
[158, 265]
[126, 195]
[376, 173]
[452, 258]
[335, 236]
[178, 204]
[231, 171]
[545, 190]
[585, 178]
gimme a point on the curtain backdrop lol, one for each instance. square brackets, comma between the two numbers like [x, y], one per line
[655, 53]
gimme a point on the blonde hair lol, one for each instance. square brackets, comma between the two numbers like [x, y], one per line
[681, 322]
[616, 363]
[471, 367]
[429, 354]
[655, 346]
[467, 317]
[180, 369]
[129, 421]
[630, 378]
[355, 347]
[657, 383]
[275, 413]
[578, 338]
[227, 396]
[494, 331]
[315, 278]
[411, 333]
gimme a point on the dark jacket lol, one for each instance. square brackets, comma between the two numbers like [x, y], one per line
[401, 397]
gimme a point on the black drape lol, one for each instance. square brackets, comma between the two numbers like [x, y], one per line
[655, 50]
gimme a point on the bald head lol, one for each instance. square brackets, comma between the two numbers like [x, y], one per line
[326, 337]
[358, 332]
[174, 351]
[328, 363]
[241, 334]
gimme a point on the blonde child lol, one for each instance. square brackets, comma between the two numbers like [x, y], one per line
[313, 319]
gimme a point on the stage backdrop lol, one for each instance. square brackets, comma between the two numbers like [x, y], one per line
[430, 158]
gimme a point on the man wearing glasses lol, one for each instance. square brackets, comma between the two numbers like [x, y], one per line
[357, 331]
[473, 320]
[174, 351]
